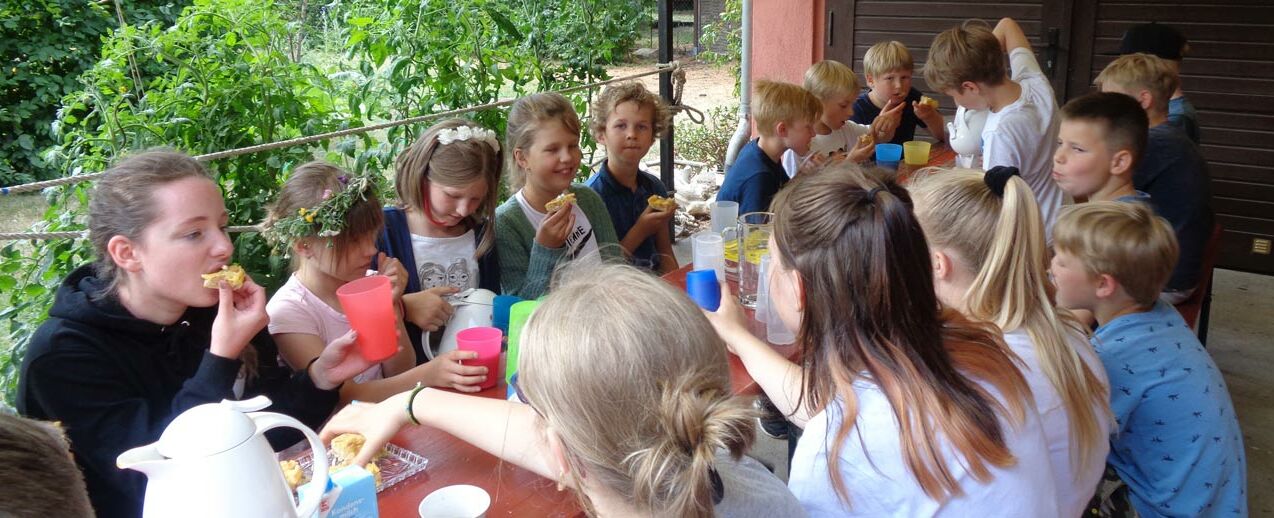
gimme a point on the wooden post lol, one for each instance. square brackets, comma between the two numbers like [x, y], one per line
[665, 91]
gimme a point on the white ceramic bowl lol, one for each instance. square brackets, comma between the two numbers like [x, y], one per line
[461, 501]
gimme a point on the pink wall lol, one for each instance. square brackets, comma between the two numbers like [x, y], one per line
[786, 38]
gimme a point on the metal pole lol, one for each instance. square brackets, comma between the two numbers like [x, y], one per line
[665, 91]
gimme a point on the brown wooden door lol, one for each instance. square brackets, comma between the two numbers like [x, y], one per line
[1228, 74]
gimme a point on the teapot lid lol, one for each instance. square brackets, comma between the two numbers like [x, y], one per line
[210, 428]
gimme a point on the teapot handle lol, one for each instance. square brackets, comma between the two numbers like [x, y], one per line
[310, 501]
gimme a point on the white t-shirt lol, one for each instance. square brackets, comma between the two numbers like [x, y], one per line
[1073, 492]
[295, 309]
[1024, 133]
[880, 483]
[838, 141]
[446, 261]
[580, 243]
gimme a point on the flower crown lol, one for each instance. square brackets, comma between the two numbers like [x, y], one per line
[460, 133]
[326, 219]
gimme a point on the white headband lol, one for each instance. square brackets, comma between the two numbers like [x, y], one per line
[460, 133]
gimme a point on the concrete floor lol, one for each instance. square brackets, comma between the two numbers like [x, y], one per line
[1239, 338]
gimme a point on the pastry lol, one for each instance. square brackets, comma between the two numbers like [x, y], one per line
[866, 139]
[345, 447]
[375, 471]
[924, 99]
[562, 200]
[232, 274]
[661, 204]
[292, 473]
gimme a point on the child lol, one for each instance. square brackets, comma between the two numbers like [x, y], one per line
[996, 277]
[835, 135]
[888, 67]
[544, 156]
[967, 63]
[444, 232]
[135, 339]
[1100, 141]
[627, 119]
[638, 420]
[784, 115]
[908, 409]
[1171, 171]
[1169, 45]
[337, 247]
[1178, 446]
[40, 478]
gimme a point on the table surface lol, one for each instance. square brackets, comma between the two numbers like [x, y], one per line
[518, 492]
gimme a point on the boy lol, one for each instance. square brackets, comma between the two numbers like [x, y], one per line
[40, 477]
[627, 119]
[1172, 171]
[836, 137]
[1177, 446]
[1100, 141]
[967, 63]
[1169, 45]
[784, 115]
[888, 67]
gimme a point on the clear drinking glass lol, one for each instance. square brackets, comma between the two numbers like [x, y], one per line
[754, 243]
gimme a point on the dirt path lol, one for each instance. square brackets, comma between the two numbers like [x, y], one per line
[707, 85]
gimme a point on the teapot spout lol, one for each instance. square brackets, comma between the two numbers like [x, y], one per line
[145, 459]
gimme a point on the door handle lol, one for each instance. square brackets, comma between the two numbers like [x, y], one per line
[1050, 51]
[831, 27]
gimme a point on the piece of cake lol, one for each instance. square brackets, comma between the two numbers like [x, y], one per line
[292, 473]
[661, 204]
[233, 275]
[924, 99]
[565, 199]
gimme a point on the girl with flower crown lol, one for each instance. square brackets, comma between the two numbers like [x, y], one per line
[330, 224]
[444, 229]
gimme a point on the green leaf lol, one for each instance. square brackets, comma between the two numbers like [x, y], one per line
[7, 283]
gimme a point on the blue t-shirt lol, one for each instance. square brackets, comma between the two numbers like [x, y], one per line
[625, 205]
[1175, 176]
[1178, 445]
[753, 180]
[866, 111]
[1182, 115]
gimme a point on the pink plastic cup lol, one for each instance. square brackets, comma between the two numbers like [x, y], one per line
[368, 303]
[486, 342]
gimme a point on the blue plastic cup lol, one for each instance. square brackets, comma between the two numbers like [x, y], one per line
[703, 288]
[500, 311]
[888, 155]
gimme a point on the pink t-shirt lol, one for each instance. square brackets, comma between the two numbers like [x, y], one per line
[294, 309]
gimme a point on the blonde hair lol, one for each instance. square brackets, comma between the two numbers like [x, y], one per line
[525, 118]
[783, 102]
[970, 52]
[1124, 240]
[633, 92]
[456, 164]
[887, 56]
[1001, 240]
[1141, 71]
[828, 78]
[641, 409]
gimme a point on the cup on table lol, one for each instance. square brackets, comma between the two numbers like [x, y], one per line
[725, 217]
[709, 252]
[486, 342]
[518, 315]
[500, 311]
[704, 288]
[888, 155]
[754, 242]
[776, 332]
[368, 303]
[916, 152]
[724, 214]
[461, 501]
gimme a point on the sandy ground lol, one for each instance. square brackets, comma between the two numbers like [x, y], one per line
[707, 85]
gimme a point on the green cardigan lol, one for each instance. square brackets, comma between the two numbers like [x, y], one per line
[525, 266]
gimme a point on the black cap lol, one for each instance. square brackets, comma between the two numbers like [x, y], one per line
[1152, 38]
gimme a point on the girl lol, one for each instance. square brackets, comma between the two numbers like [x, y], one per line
[305, 315]
[135, 339]
[637, 420]
[986, 236]
[908, 410]
[445, 230]
[543, 138]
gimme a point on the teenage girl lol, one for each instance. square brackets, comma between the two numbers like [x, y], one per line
[544, 156]
[444, 229]
[638, 420]
[908, 409]
[986, 239]
[305, 314]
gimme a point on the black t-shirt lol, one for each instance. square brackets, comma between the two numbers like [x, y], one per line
[1175, 176]
[865, 111]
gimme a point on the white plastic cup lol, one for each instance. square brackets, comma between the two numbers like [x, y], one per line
[462, 501]
[776, 332]
[709, 252]
[724, 214]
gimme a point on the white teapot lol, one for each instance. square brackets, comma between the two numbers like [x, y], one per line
[213, 460]
[964, 134]
[474, 308]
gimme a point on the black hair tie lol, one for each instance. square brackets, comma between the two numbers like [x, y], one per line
[871, 195]
[718, 487]
[997, 177]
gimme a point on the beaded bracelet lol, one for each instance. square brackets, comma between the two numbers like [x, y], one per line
[411, 399]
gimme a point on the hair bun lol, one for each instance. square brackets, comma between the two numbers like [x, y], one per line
[997, 177]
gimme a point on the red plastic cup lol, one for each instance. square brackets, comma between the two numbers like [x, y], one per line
[368, 303]
[486, 342]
